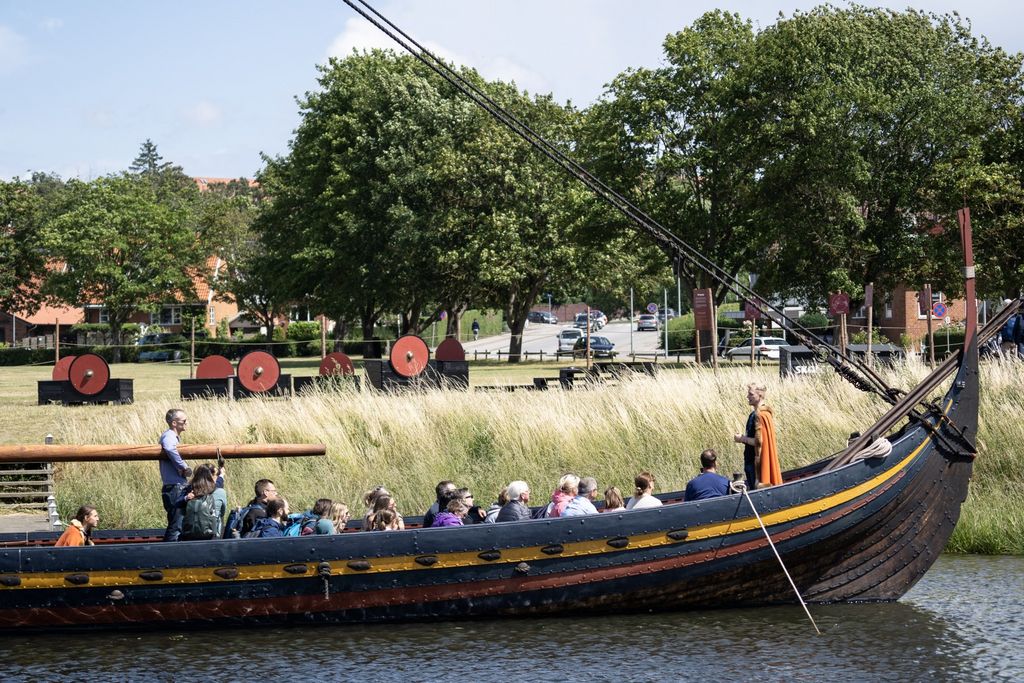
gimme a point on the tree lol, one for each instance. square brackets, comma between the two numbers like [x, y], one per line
[22, 258]
[168, 180]
[123, 248]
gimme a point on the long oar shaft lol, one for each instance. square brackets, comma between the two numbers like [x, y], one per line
[779, 558]
[119, 452]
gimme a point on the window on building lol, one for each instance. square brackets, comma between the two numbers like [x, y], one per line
[300, 314]
[104, 316]
[861, 312]
[211, 317]
[888, 306]
[170, 315]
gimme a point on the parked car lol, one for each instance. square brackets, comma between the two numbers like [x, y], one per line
[542, 317]
[599, 318]
[583, 322]
[665, 313]
[600, 347]
[567, 339]
[646, 322]
[160, 347]
[766, 347]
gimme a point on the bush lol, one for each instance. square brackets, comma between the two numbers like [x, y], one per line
[947, 341]
[304, 331]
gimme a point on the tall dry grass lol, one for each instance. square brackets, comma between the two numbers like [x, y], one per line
[483, 440]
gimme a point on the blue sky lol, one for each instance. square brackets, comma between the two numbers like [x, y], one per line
[214, 84]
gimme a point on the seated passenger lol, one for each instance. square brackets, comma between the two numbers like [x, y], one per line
[204, 502]
[79, 531]
[384, 520]
[453, 514]
[316, 520]
[442, 491]
[492, 512]
[474, 513]
[339, 517]
[613, 499]
[265, 491]
[370, 501]
[516, 508]
[583, 502]
[709, 483]
[568, 488]
[384, 503]
[274, 523]
[644, 497]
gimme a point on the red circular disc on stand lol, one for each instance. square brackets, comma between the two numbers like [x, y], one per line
[258, 371]
[60, 370]
[337, 363]
[409, 355]
[215, 367]
[88, 374]
[450, 349]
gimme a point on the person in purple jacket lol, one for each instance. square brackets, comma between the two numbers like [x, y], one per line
[174, 473]
[453, 514]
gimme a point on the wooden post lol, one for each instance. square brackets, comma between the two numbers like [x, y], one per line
[714, 335]
[842, 334]
[928, 314]
[869, 295]
[56, 343]
[588, 337]
[753, 329]
[323, 336]
[192, 352]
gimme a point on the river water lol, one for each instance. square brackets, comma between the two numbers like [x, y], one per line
[960, 623]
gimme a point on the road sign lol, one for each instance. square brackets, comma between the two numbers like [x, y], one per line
[839, 304]
[652, 308]
[751, 310]
[939, 309]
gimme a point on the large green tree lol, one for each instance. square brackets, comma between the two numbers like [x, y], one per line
[22, 257]
[122, 247]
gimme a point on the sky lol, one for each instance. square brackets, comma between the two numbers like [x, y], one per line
[214, 84]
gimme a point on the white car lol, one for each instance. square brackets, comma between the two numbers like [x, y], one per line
[767, 347]
[567, 339]
[646, 322]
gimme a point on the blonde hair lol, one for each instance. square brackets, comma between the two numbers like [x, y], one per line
[339, 516]
[761, 389]
[569, 483]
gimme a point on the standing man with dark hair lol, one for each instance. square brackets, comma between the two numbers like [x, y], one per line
[709, 483]
[174, 473]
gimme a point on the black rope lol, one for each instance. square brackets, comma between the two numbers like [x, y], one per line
[867, 378]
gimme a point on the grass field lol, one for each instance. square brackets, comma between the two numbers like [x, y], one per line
[483, 440]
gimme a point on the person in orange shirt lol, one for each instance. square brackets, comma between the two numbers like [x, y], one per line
[79, 531]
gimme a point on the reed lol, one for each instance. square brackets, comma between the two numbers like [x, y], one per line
[483, 440]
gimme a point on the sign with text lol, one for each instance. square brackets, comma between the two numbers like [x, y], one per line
[703, 308]
[839, 304]
[751, 310]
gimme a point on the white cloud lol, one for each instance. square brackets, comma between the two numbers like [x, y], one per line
[13, 50]
[359, 34]
[203, 113]
[51, 24]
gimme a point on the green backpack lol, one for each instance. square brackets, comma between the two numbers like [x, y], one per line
[202, 519]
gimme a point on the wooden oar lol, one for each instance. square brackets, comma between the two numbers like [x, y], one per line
[119, 452]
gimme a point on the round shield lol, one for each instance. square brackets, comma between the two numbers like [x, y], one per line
[337, 364]
[258, 371]
[450, 349]
[409, 355]
[215, 367]
[88, 374]
[60, 370]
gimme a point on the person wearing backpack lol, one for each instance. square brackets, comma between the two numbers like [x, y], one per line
[310, 522]
[204, 502]
[273, 525]
[241, 521]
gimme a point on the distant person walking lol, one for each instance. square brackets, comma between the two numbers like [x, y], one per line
[476, 329]
[174, 473]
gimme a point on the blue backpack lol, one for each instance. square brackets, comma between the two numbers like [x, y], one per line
[233, 527]
[299, 521]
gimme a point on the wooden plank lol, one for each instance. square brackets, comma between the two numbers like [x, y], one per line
[118, 452]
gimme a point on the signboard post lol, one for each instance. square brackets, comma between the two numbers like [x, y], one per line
[752, 312]
[926, 294]
[839, 304]
[704, 322]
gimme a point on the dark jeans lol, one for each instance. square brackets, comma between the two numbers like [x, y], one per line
[169, 494]
[751, 476]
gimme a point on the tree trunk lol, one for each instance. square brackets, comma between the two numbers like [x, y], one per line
[115, 339]
[339, 334]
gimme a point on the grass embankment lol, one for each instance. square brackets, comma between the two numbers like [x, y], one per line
[483, 440]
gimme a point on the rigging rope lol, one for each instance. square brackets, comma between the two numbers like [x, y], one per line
[868, 379]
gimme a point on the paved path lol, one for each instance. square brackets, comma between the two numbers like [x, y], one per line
[20, 522]
[540, 337]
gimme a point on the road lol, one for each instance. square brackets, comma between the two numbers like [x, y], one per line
[540, 337]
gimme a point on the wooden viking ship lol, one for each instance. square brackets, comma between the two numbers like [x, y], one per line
[861, 525]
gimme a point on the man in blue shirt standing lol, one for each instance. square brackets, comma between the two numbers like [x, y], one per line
[174, 473]
[709, 483]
